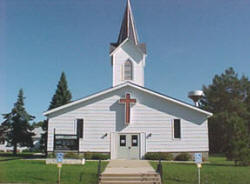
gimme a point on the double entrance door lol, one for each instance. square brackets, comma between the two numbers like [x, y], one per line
[128, 146]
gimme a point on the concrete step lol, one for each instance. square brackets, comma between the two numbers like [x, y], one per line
[130, 174]
[130, 178]
[130, 182]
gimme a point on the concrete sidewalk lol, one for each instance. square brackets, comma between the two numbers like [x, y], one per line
[129, 172]
[129, 167]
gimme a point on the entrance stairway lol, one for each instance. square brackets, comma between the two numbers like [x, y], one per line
[129, 172]
[149, 178]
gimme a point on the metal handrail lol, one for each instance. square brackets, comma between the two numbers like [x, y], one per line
[98, 171]
[160, 170]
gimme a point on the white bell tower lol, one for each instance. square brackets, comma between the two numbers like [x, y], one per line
[127, 54]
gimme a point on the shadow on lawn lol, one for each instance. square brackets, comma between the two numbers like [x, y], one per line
[10, 156]
[211, 164]
[178, 180]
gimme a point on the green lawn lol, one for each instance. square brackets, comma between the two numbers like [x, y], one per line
[218, 171]
[13, 169]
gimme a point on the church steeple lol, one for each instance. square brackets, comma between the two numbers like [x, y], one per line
[128, 29]
[127, 54]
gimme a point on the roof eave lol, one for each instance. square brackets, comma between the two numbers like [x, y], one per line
[208, 114]
[46, 113]
[120, 45]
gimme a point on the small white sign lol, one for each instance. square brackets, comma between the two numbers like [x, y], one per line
[198, 158]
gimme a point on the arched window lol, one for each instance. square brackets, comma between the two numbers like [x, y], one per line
[128, 70]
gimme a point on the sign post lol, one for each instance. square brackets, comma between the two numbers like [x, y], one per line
[198, 161]
[59, 160]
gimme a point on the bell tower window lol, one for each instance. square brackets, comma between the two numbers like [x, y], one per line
[128, 70]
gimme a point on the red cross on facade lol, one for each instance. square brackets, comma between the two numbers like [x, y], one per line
[127, 101]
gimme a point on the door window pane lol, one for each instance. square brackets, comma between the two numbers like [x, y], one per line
[122, 140]
[134, 140]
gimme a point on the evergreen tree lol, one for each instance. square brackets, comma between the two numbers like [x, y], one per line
[19, 131]
[227, 98]
[37, 124]
[62, 96]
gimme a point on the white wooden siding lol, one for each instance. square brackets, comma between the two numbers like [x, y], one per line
[128, 51]
[151, 115]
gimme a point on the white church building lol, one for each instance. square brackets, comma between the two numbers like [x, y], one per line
[128, 120]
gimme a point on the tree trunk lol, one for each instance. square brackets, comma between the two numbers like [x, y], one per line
[14, 148]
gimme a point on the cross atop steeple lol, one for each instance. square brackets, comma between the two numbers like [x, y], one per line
[128, 29]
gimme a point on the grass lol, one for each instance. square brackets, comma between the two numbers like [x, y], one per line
[218, 171]
[14, 170]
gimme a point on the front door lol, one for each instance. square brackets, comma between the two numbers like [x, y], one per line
[128, 146]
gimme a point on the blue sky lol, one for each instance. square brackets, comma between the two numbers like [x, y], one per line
[188, 42]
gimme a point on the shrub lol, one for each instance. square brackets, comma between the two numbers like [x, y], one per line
[151, 156]
[51, 155]
[167, 156]
[158, 156]
[183, 157]
[73, 155]
[96, 156]
[88, 155]
[26, 151]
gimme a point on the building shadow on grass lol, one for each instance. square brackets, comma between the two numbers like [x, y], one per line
[178, 180]
[9, 156]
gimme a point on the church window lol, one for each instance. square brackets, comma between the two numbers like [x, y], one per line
[80, 128]
[177, 128]
[128, 70]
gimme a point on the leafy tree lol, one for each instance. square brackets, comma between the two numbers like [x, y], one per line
[238, 145]
[62, 96]
[227, 98]
[19, 131]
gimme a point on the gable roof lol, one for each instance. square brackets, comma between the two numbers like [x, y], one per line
[149, 91]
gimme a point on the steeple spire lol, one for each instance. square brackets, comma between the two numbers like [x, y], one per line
[128, 56]
[128, 29]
